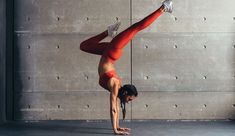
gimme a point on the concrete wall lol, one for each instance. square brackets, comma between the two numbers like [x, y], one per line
[182, 64]
[2, 60]
[53, 78]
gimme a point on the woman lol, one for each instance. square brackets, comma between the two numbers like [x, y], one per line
[111, 52]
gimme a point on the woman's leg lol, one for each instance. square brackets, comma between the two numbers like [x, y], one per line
[93, 46]
[114, 50]
[125, 36]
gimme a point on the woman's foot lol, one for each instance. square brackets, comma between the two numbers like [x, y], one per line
[112, 29]
[167, 4]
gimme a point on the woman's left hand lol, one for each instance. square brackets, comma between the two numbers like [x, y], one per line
[123, 129]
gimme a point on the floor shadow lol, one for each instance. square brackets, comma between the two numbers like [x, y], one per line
[56, 128]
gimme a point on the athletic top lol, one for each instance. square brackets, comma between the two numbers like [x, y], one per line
[104, 78]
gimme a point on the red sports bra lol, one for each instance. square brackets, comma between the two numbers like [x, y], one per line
[104, 78]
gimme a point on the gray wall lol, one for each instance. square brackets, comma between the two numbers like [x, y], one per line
[2, 60]
[182, 64]
[187, 71]
[53, 78]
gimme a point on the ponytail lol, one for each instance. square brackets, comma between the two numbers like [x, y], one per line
[126, 90]
[123, 106]
[121, 95]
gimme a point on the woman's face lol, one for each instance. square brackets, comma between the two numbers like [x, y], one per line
[129, 98]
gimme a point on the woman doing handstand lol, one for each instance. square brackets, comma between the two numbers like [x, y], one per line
[111, 52]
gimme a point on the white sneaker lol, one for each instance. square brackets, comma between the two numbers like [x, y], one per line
[112, 29]
[167, 6]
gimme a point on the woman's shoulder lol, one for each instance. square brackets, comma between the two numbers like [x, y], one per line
[114, 82]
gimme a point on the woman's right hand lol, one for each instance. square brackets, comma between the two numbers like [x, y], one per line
[121, 133]
[123, 129]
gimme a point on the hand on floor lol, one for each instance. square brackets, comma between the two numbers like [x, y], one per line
[123, 129]
[121, 133]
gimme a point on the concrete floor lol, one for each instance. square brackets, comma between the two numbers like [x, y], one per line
[103, 128]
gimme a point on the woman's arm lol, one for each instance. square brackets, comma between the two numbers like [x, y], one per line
[117, 115]
[114, 112]
[113, 107]
[118, 127]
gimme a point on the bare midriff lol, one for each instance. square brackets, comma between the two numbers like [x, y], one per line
[105, 66]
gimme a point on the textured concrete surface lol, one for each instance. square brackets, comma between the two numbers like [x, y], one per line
[160, 105]
[184, 105]
[184, 62]
[197, 16]
[182, 65]
[65, 106]
[49, 63]
[103, 128]
[186, 58]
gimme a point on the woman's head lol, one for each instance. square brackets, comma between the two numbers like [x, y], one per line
[127, 93]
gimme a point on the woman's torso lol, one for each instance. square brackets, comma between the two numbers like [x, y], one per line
[105, 67]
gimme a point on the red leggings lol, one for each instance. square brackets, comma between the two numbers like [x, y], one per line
[112, 51]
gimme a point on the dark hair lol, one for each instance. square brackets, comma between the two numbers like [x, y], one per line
[127, 89]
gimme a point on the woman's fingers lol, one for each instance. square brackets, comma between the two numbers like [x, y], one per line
[127, 129]
[122, 133]
[124, 129]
